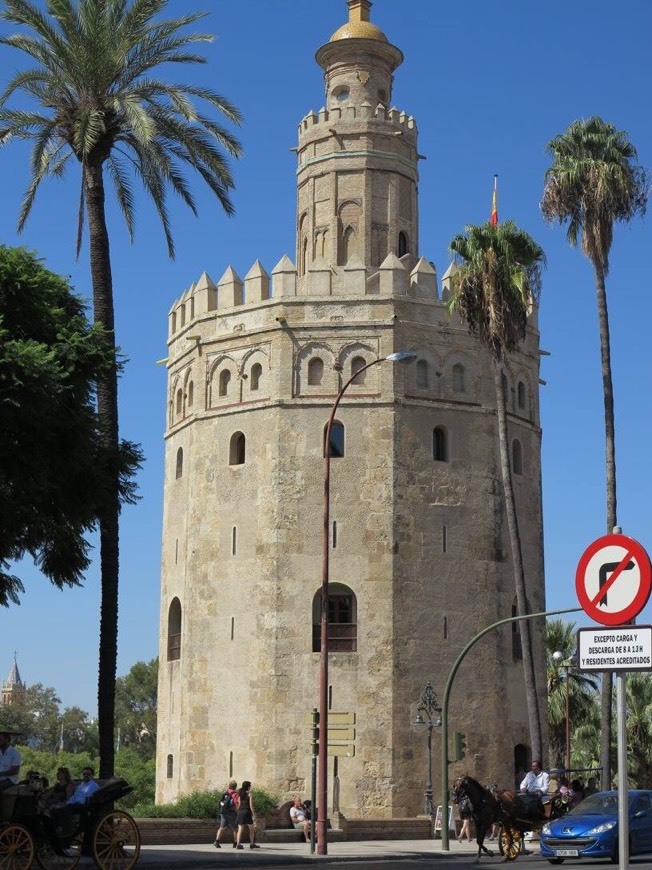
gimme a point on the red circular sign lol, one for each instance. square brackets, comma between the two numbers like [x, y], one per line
[613, 579]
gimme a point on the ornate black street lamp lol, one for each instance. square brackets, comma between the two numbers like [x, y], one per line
[428, 714]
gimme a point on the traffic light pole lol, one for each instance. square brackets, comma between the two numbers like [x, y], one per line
[444, 713]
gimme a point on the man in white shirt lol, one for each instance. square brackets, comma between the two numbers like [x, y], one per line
[9, 761]
[536, 783]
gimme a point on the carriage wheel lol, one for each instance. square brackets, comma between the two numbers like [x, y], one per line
[48, 859]
[16, 848]
[116, 841]
[509, 843]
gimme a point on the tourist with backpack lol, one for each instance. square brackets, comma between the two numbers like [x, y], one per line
[228, 813]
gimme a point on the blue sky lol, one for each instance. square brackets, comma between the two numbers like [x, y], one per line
[489, 84]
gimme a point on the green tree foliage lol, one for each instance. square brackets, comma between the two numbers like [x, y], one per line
[51, 474]
[97, 101]
[37, 717]
[46, 762]
[135, 708]
[594, 182]
[561, 675]
[493, 288]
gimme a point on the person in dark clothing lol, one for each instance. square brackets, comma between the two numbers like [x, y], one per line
[246, 816]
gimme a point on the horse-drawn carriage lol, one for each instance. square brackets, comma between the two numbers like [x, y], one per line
[28, 832]
[509, 810]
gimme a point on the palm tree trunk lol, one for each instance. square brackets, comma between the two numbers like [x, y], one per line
[610, 461]
[107, 406]
[529, 675]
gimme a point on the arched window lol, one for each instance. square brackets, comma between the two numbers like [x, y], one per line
[225, 380]
[336, 439]
[422, 374]
[174, 630]
[170, 766]
[179, 467]
[521, 395]
[459, 378]
[237, 449]
[256, 374]
[315, 371]
[439, 444]
[517, 646]
[179, 401]
[342, 620]
[348, 245]
[403, 246]
[357, 363]
[517, 457]
[191, 393]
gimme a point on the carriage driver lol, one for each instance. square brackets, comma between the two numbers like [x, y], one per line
[536, 783]
[9, 761]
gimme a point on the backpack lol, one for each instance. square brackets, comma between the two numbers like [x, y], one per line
[227, 802]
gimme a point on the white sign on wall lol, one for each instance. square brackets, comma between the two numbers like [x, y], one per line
[626, 648]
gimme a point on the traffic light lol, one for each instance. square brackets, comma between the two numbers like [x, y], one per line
[459, 746]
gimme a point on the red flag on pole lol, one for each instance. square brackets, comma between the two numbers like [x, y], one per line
[494, 204]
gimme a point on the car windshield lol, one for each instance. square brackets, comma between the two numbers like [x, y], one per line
[597, 805]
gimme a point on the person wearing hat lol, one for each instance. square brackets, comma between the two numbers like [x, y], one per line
[9, 761]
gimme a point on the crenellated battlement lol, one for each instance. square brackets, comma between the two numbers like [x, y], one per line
[394, 277]
[395, 119]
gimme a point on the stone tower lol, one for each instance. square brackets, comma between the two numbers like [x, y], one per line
[419, 551]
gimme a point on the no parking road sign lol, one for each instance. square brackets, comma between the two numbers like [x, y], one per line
[613, 579]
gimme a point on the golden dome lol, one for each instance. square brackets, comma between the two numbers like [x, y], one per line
[358, 30]
[358, 26]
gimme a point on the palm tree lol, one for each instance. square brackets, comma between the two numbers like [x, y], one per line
[97, 100]
[639, 728]
[560, 638]
[492, 291]
[593, 182]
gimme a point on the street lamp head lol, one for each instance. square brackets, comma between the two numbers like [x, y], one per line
[419, 720]
[558, 656]
[402, 356]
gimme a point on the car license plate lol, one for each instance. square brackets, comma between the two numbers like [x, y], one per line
[567, 853]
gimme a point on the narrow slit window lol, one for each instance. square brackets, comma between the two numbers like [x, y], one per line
[422, 374]
[445, 628]
[459, 378]
[170, 766]
[357, 364]
[521, 395]
[179, 465]
[517, 457]
[256, 374]
[232, 627]
[336, 440]
[225, 380]
[334, 534]
[234, 540]
[444, 539]
[237, 449]
[315, 371]
[439, 444]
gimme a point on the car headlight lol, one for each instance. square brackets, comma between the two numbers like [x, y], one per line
[546, 830]
[605, 826]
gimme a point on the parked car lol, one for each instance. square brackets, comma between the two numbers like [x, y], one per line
[590, 830]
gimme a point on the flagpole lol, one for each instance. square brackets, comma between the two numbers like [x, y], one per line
[494, 203]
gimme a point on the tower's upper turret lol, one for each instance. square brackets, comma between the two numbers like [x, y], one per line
[358, 61]
[357, 159]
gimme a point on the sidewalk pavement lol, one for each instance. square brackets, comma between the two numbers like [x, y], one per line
[282, 855]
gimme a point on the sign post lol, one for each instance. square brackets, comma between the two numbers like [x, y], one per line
[613, 583]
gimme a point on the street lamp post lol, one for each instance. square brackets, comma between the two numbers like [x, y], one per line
[322, 769]
[428, 707]
[558, 656]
